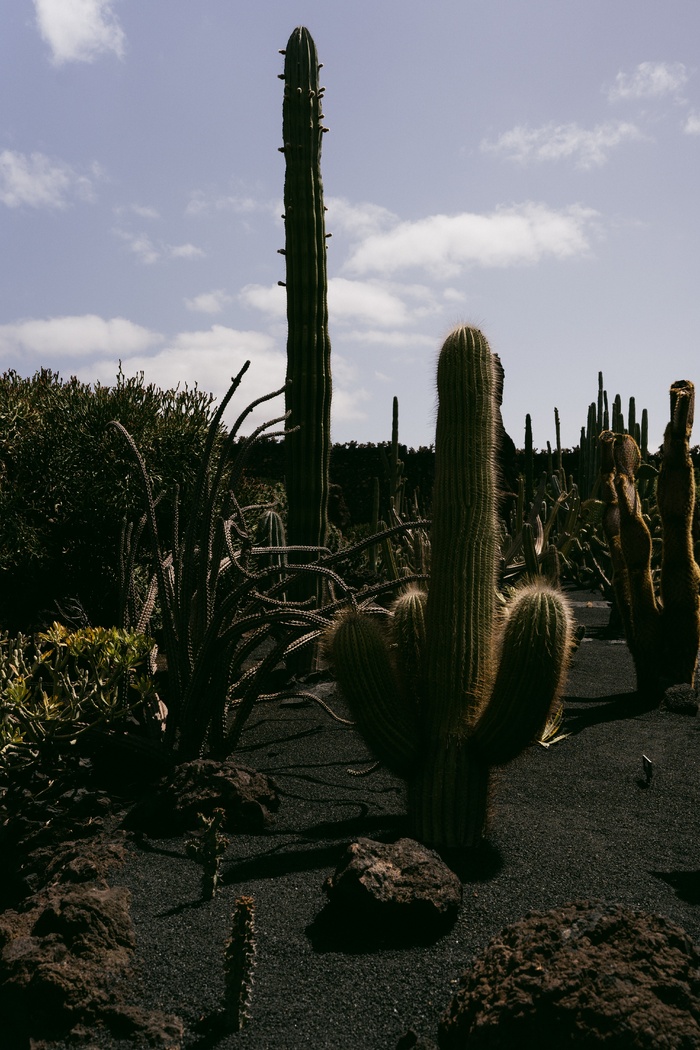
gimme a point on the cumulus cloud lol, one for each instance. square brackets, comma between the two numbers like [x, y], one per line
[209, 359]
[588, 147]
[79, 336]
[37, 181]
[79, 30]
[379, 303]
[649, 80]
[357, 221]
[149, 252]
[445, 244]
[209, 302]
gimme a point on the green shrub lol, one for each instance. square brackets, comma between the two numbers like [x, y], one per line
[66, 486]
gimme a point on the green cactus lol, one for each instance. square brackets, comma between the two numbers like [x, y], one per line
[308, 394]
[454, 686]
[662, 631]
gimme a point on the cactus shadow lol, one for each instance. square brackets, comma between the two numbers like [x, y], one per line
[686, 884]
[616, 707]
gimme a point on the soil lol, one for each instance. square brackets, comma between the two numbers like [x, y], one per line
[584, 819]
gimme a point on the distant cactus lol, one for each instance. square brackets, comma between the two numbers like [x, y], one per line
[663, 632]
[455, 687]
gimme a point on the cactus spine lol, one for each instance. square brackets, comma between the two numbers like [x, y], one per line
[481, 688]
[308, 397]
[663, 633]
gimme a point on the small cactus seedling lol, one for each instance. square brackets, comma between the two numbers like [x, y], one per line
[239, 963]
[662, 632]
[455, 687]
[209, 848]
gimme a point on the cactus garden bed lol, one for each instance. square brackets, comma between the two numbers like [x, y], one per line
[585, 819]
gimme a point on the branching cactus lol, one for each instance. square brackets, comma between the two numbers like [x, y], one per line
[454, 686]
[308, 396]
[662, 631]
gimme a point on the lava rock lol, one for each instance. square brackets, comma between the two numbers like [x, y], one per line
[584, 974]
[400, 888]
[247, 798]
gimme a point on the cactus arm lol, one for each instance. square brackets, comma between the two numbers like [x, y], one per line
[363, 669]
[680, 577]
[408, 633]
[534, 659]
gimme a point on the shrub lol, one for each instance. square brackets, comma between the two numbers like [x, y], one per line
[66, 486]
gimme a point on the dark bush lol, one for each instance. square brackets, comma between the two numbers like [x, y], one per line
[66, 484]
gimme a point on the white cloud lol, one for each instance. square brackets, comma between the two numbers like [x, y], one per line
[445, 244]
[649, 80]
[79, 30]
[183, 251]
[39, 182]
[210, 358]
[269, 299]
[148, 252]
[692, 124]
[588, 147]
[381, 303]
[357, 220]
[78, 336]
[209, 302]
[365, 301]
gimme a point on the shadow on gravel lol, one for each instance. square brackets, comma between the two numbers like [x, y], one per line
[614, 708]
[686, 884]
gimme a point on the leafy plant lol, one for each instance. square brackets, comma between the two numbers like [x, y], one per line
[62, 684]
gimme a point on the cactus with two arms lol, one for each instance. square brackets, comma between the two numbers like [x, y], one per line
[456, 686]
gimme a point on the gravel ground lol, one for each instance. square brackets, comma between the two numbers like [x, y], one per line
[575, 820]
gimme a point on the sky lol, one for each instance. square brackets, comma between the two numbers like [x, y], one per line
[531, 168]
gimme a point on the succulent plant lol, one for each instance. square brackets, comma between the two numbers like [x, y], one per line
[454, 686]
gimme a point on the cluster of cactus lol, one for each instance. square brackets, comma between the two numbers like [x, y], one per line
[662, 630]
[453, 686]
[62, 684]
[600, 418]
[308, 391]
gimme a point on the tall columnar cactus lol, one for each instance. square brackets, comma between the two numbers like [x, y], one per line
[663, 632]
[454, 686]
[308, 397]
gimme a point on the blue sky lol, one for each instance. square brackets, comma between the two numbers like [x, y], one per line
[529, 167]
